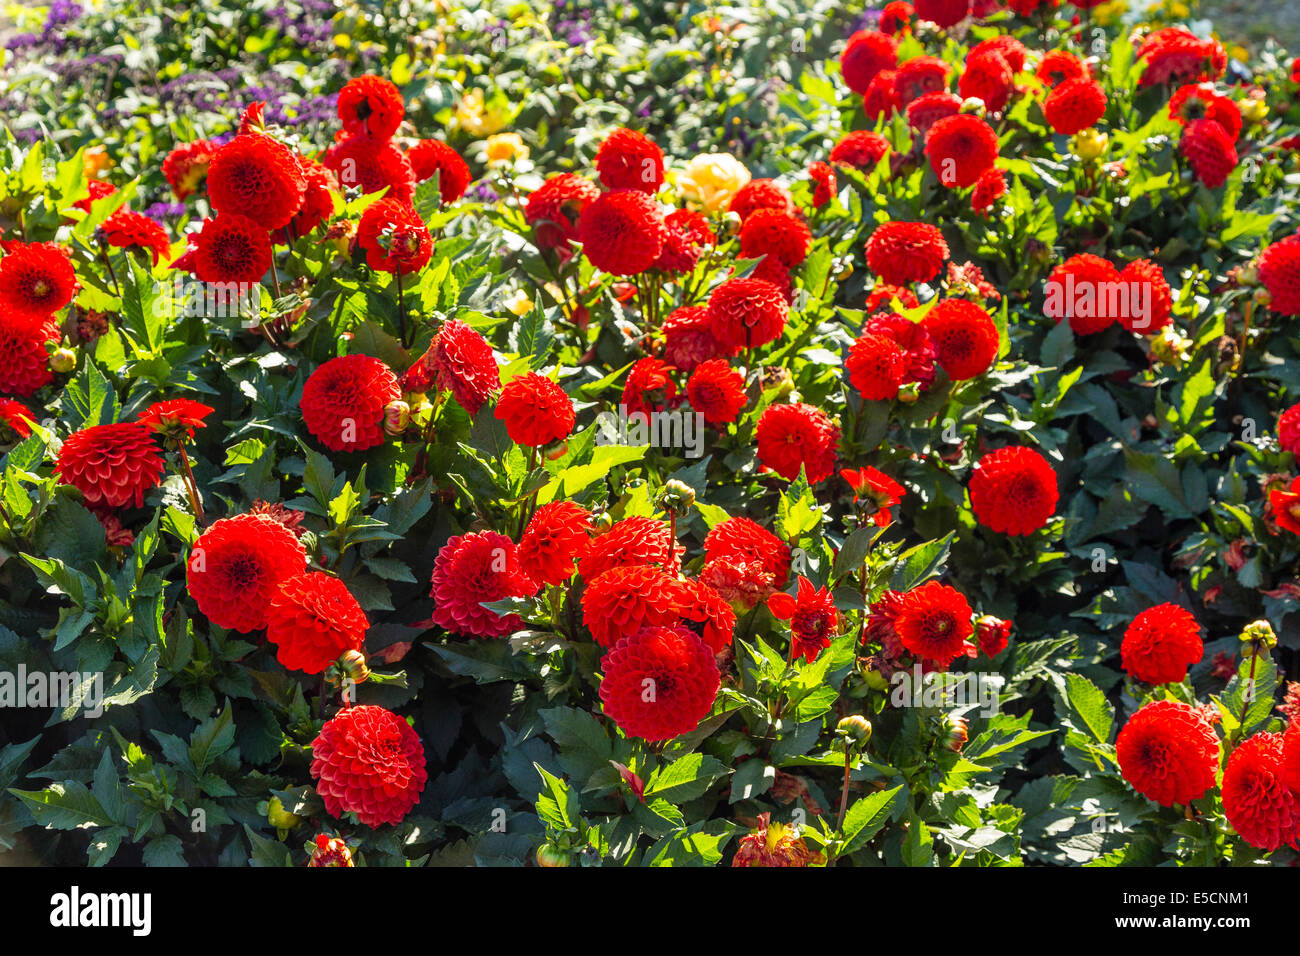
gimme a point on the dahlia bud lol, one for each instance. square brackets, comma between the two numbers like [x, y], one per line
[992, 633]
[1263, 296]
[352, 665]
[909, 393]
[550, 855]
[279, 817]
[779, 379]
[975, 105]
[397, 415]
[330, 851]
[855, 730]
[953, 732]
[602, 522]
[556, 450]
[1088, 144]
[1258, 639]
[677, 497]
[730, 225]
[63, 360]
[1249, 274]
[1038, 251]
[1171, 347]
[843, 268]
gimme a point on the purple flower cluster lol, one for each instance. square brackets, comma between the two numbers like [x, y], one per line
[51, 37]
[307, 22]
[571, 23]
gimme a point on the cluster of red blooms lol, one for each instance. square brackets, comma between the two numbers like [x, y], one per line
[931, 625]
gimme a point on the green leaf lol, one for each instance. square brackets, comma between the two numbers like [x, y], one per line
[866, 817]
[686, 778]
[1087, 700]
[919, 564]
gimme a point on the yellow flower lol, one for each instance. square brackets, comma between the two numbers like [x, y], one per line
[1088, 144]
[711, 179]
[1254, 109]
[342, 41]
[475, 118]
[96, 161]
[519, 303]
[505, 148]
[1180, 10]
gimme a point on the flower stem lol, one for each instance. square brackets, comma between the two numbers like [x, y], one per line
[191, 486]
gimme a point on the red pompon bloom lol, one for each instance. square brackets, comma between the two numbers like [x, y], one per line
[622, 232]
[474, 569]
[740, 583]
[237, 566]
[1011, 49]
[1291, 755]
[688, 338]
[330, 852]
[630, 160]
[989, 188]
[317, 199]
[770, 270]
[882, 97]
[1285, 506]
[394, 237]
[746, 314]
[554, 208]
[111, 465]
[658, 683]
[822, 176]
[706, 614]
[921, 75]
[369, 761]
[1075, 105]
[760, 194]
[635, 540]
[24, 363]
[1176, 55]
[1168, 752]
[175, 417]
[557, 537]
[257, 177]
[132, 230]
[716, 391]
[812, 616]
[1259, 804]
[993, 634]
[686, 238]
[795, 436]
[187, 165]
[896, 17]
[769, 232]
[964, 336]
[961, 148]
[988, 77]
[16, 418]
[905, 252]
[877, 490]
[623, 600]
[430, 157]
[743, 539]
[1146, 282]
[371, 165]
[1288, 429]
[877, 367]
[862, 149]
[371, 106]
[1194, 102]
[1078, 289]
[96, 189]
[649, 387]
[343, 402]
[536, 410]
[1161, 644]
[866, 54]
[312, 620]
[36, 280]
[943, 13]
[229, 248]
[882, 296]
[1057, 66]
[1279, 271]
[1209, 150]
[933, 621]
[1013, 491]
[463, 362]
[926, 110]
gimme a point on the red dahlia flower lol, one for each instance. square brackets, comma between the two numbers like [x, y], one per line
[927, 109]
[716, 391]
[430, 157]
[96, 190]
[257, 177]
[1011, 50]
[812, 616]
[705, 613]
[1195, 102]
[370, 165]
[132, 230]
[741, 583]
[686, 238]
[1291, 756]
[1279, 271]
[965, 338]
[1079, 288]
[688, 338]
[1288, 429]
[313, 619]
[175, 417]
[318, 199]
[877, 367]
[635, 540]
[822, 176]
[370, 106]
[463, 362]
[659, 683]
[630, 160]
[896, 17]
[779, 234]
[904, 252]
[795, 436]
[474, 569]
[24, 363]
[536, 410]
[760, 194]
[36, 280]
[877, 490]
[1013, 491]
[369, 761]
[1160, 644]
[943, 13]
[1057, 66]
[187, 165]
[554, 208]
[330, 851]
[881, 300]
[988, 77]
[394, 237]
[882, 99]
[1176, 55]
[989, 188]
[623, 600]
[16, 418]
[746, 313]
[744, 539]
[1146, 282]
[622, 232]
[343, 402]
[111, 465]
[961, 148]
[1259, 804]
[649, 388]
[866, 54]
[1075, 105]
[229, 248]
[1209, 150]
[921, 75]
[862, 150]
[237, 566]
[1168, 752]
[557, 537]
[993, 634]
[1285, 506]
[775, 844]
[933, 621]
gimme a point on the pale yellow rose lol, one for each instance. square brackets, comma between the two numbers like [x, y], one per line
[711, 179]
[505, 148]
[473, 116]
